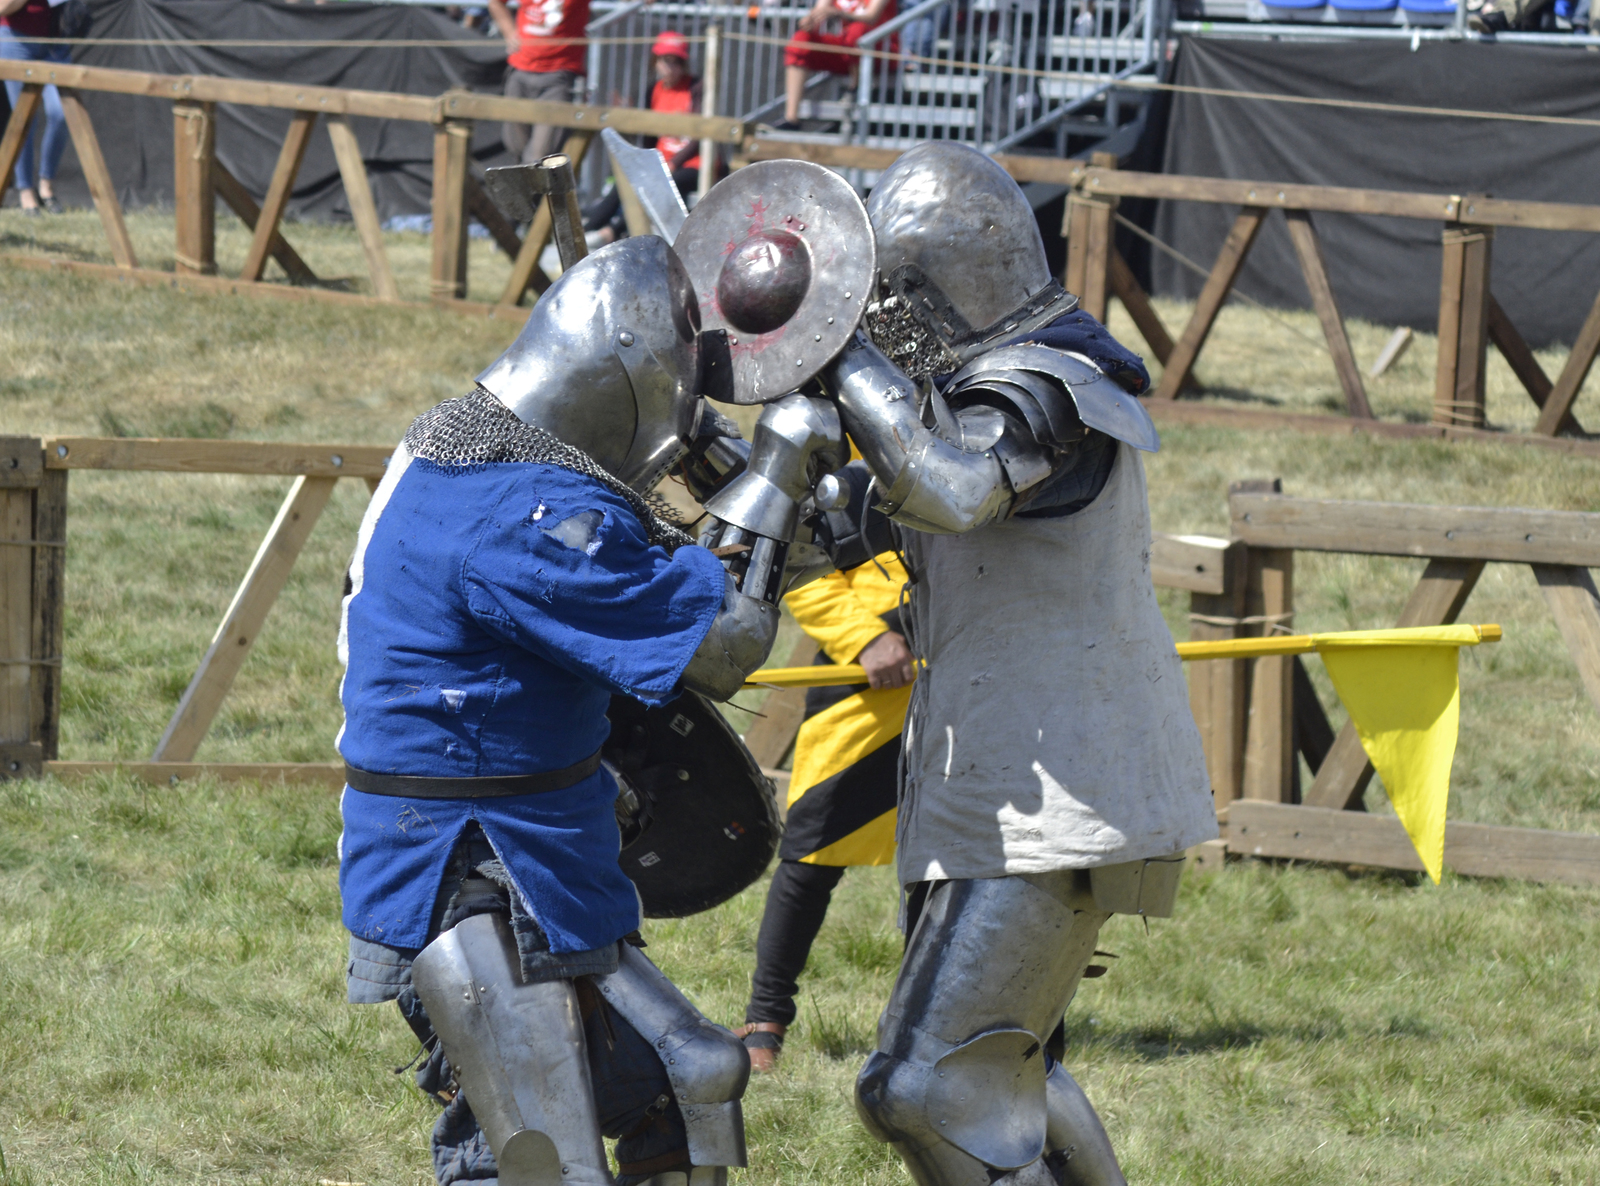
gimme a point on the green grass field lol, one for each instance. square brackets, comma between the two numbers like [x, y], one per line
[171, 964]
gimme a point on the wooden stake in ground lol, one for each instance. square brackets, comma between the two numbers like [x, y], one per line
[1399, 342]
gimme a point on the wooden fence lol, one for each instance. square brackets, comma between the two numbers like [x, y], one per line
[1469, 316]
[1255, 716]
[200, 178]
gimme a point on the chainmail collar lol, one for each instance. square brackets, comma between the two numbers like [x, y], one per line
[477, 429]
[910, 345]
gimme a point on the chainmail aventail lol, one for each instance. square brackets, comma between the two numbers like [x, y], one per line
[477, 429]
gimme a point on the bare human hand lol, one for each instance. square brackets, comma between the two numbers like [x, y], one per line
[888, 661]
[817, 17]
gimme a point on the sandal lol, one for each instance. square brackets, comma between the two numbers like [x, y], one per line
[764, 1041]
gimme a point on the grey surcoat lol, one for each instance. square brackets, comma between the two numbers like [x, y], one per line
[1052, 727]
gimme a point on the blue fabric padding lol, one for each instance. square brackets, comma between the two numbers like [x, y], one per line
[1363, 5]
[560, 849]
[1430, 7]
[1084, 335]
[1297, 5]
[482, 644]
[498, 608]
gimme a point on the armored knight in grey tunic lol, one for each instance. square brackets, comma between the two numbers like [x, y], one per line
[1053, 773]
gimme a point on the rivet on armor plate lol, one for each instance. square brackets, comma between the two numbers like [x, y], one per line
[817, 338]
[625, 338]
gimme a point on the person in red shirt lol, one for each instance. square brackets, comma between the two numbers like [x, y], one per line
[546, 54]
[803, 57]
[676, 91]
[28, 19]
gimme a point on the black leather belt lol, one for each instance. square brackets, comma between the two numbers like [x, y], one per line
[410, 786]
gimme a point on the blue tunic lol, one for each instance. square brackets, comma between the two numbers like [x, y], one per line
[494, 611]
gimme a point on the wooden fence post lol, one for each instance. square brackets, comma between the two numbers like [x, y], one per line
[1269, 750]
[194, 194]
[452, 148]
[1309, 249]
[783, 711]
[32, 522]
[1269, 761]
[1219, 689]
[1458, 394]
[1089, 229]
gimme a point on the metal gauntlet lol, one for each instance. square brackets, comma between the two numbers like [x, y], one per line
[796, 441]
[738, 642]
[948, 480]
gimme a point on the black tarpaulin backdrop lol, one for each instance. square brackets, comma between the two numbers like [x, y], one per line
[136, 133]
[1387, 269]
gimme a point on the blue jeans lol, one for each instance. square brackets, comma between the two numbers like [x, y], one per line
[920, 37]
[55, 122]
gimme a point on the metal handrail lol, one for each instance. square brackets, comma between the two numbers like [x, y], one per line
[895, 24]
[621, 12]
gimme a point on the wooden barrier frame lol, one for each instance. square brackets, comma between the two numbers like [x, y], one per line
[1470, 318]
[1253, 715]
[199, 178]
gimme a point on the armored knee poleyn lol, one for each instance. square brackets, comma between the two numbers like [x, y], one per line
[519, 1055]
[960, 1082]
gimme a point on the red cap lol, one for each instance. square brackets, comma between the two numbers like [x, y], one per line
[671, 44]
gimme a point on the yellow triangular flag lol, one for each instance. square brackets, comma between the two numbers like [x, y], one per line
[1406, 705]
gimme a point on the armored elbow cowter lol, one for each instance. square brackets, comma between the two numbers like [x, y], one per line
[738, 642]
[928, 482]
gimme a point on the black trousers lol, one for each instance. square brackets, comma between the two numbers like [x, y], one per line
[797, 902]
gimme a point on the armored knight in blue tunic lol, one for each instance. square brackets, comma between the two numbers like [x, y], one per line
[509, 578]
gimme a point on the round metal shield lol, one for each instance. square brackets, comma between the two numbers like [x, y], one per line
[782, 257]
[699, 819]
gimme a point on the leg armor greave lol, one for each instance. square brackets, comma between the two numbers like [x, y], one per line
[1074, 1136]
[707, 1066]
[959, 1082]
[518, 1053]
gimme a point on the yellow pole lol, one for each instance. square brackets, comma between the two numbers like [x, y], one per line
[1223, 648]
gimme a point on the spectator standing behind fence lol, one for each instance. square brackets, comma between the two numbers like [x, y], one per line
[677, 92]
[29, 19]
[546, 53]
[804, 55]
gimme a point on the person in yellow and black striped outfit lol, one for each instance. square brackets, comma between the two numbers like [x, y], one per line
[843, 791]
